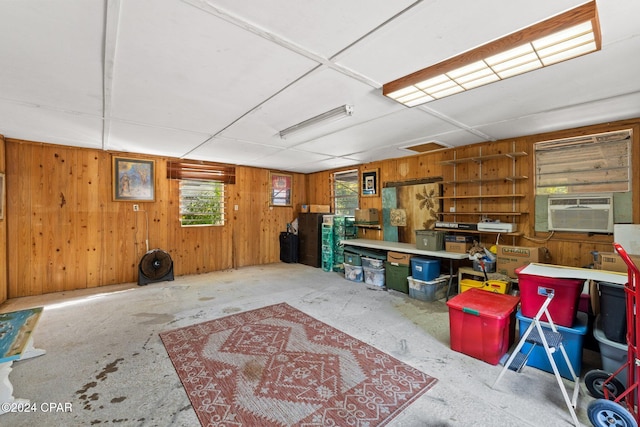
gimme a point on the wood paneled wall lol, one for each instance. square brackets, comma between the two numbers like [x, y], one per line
[571, 249]
[65, 232]
[62, 231]
[3, 229]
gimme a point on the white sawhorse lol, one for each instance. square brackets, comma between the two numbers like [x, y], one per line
[551, 341]
[16, 343]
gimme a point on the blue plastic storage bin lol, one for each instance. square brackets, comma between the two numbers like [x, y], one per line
[572, 339]
[425, 269]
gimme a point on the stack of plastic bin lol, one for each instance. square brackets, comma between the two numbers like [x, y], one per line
[343, 228]
[353, 267]
[338, 249]
[563, 310]
[327, 247]
[610, 328]
[373, 272]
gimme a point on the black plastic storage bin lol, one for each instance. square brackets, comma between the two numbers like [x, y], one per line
[613, 311]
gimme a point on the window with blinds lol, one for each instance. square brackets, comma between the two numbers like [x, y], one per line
[587, 164]
[345, 192]
[202, 190]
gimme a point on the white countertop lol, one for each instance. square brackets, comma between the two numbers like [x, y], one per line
[401, 247]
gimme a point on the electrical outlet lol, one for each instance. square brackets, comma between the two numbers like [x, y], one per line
[136, 208]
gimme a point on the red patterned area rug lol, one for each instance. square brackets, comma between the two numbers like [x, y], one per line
[277, 366]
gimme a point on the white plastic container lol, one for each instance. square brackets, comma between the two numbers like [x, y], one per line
[374, 276]
[372, 263]
[353, 272]
[428, 290]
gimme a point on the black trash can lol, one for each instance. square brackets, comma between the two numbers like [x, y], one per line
[613, 311]
[288, 247]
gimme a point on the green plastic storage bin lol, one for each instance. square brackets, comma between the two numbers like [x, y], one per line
[396, 276]
[352, 259]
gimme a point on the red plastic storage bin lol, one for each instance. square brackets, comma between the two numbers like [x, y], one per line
[564, 306]
[482, 324]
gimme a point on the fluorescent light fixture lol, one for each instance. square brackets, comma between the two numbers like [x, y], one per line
[324, 118]
[565, 36]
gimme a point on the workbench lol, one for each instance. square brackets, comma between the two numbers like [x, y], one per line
[408, 248]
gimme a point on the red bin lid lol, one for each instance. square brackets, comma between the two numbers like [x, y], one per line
[484, 303]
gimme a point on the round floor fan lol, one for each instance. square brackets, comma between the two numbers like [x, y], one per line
[155, 266]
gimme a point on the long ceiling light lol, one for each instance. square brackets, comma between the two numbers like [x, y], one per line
[324, 118]
[567, 35]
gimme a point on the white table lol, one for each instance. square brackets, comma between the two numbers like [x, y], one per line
[408, 248]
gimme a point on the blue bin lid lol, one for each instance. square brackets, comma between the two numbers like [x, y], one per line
[580, 325]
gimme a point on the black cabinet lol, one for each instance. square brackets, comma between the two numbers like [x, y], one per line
[310, 238]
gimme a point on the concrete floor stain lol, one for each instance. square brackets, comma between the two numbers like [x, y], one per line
[110, 368]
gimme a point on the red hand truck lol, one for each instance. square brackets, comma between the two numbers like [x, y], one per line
[620, 406]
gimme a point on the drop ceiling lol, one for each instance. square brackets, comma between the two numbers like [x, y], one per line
[217, 80]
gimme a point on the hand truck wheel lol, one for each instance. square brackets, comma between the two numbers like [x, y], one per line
[594, 380]
[605, 413]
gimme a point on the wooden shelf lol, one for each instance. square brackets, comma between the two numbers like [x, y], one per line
[483, 196]
[453, 230]
[484, 180]
[480, 159]
[371, 226]
[485, 213]
[496, 196]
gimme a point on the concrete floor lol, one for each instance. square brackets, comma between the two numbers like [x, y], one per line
[105, 358]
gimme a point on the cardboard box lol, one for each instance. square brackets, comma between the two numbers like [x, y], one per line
[611, 261]
[459, 238]
[399, 258]
[458, 247]
[367, 216]
[511, 257]
[319, 208]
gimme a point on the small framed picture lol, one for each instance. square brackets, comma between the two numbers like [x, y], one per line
[280, 189]
[133, 179]
[370, 185]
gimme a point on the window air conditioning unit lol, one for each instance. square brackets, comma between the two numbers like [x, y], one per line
[581, 213]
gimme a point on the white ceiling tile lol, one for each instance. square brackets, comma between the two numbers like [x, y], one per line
[49, 59]
[35, 123]
[617, 108]
[232, 151]
[195, 71]
[397, 128]
[324, 28]
[152, 140]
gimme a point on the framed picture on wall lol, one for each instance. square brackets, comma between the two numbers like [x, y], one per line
[280, 185]
[370, 185]
[133, 179]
